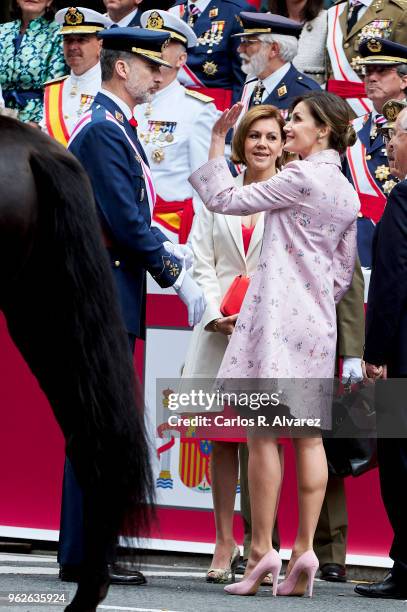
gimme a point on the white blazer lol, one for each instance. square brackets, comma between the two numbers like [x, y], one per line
[219, 257]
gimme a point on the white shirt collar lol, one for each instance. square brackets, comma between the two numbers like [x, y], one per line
[126, 20]
[120, 103]
[273, 79]
[201, 4]
[175, 84]
[90, 74]
[366, 3]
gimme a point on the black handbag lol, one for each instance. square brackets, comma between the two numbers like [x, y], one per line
[351, 446]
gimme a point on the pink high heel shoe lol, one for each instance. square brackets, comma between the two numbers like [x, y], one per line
[271, 562]
[306, 564]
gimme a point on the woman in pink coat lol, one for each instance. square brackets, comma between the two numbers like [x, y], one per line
[287, 325]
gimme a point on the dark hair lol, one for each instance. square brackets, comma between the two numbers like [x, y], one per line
[262, 111]
[16, 13]
[330, 110]
[311, 9]
[108, 59]
[402, 72]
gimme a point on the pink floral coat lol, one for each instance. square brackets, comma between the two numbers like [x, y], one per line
[287, 324]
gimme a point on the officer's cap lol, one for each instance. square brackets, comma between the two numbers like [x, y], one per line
[79, 20]
[254, 24]
[162, 21]
[140, 41]
[391, 110]
[381, 51]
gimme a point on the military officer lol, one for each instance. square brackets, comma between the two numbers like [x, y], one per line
[385, 74]
[213, 66]
[67, 98]
[268, 44]
[349, 22]
[175, 130]
[106, 144]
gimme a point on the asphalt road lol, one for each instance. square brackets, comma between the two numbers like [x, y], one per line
[171, 588]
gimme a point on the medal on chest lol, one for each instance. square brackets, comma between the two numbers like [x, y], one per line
[159, 134]
[213, 36]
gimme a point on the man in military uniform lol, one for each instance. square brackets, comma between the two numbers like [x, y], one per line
[385, 73]
[268, 44]
[123, 13]
[106, 144]
[175, 130]
[213, 65]
[349, 22]
[67, 98]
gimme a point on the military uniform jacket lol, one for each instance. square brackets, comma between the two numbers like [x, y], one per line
[293, 84]
[175, 131]
[66, 99]
[368, 154]
[215, 60]
[383, 18]
[366, 167]
[120, 187]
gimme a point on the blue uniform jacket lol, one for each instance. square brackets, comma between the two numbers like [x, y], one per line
[293, 84]
[375, 156]
[121, 198]
[219, 65]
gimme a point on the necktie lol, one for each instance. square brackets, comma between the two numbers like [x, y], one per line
[379, 120]
[353, 12]
[257, 95]
[133, 123]
[193, 14]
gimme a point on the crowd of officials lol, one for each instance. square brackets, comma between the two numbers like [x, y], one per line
[304, 198]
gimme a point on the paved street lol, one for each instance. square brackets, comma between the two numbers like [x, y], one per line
[172, 587]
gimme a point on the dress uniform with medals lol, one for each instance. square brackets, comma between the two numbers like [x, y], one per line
[106, 144]
[213, 65]
[349, 23]
[366, 164]
[67, 98]
[281, 87]
[104, 141]
[175, 131]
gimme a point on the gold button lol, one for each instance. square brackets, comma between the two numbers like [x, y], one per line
[346, 45]
[368, 157]
[117, 263]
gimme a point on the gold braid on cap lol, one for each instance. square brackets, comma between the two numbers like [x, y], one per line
[74, 17]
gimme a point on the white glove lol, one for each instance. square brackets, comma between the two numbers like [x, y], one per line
[181, 252]
[192, 296]
[352, 370]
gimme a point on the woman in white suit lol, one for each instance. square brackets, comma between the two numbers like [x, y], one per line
[225, 247]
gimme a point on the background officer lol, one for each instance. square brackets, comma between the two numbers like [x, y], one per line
[366, 166]
[123, 13]
[175, 131]
[107, 146]
[67, 98]
[213, 66]
[349, 23]
[268, 44]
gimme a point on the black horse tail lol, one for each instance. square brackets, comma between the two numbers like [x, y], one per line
[65, 311]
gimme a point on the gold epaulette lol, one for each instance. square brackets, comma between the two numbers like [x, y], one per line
[62, 78]
[199, 96]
